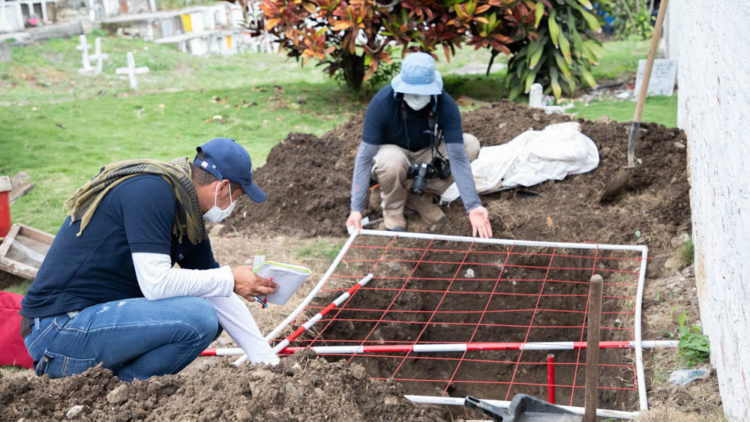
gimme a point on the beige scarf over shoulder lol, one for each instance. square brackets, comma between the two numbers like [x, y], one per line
[188, 217]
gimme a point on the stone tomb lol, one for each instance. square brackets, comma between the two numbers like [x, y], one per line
[663, 77]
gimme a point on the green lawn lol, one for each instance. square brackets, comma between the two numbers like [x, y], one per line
[60, 126]
[656, 109]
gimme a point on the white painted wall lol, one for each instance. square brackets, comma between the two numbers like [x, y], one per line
[712, 42]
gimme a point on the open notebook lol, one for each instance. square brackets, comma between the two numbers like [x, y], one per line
[289, 278]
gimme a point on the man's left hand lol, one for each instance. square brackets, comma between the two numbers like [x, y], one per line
[480, 222]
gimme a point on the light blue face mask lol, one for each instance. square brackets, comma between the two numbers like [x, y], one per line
[216, 214]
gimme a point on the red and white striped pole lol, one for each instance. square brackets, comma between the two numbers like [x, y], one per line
[339, 300]
[312, 321]
[282, 348]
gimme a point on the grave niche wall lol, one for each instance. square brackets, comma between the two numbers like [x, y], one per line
[713, 110]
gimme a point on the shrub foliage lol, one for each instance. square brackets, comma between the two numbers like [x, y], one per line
[548, 39]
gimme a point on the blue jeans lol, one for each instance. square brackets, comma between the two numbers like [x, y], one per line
[134, 338]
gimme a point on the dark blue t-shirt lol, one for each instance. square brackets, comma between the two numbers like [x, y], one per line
[80, 271]
[384, 124]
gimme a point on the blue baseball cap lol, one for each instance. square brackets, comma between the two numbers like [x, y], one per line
[418, 76]
[226, 159]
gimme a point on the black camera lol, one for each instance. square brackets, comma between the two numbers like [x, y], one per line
[422, 172]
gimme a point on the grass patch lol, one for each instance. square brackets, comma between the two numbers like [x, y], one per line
[20, 288]
[61, 127]
[323, 249]
[687, 252]
[661, 110]
[620, 59]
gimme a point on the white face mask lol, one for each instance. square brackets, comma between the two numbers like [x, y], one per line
[216, 214]
[416, 102]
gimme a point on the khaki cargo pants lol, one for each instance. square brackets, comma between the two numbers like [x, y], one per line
[391, 165]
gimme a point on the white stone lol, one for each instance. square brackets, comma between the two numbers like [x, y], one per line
[131, 71]
[98, 56]
[84, 47]
[535, 96]
[74, 412]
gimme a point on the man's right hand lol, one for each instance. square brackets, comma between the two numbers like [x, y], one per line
[354, 220]
[248, 284]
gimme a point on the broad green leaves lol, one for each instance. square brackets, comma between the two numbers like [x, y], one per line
[562, 55]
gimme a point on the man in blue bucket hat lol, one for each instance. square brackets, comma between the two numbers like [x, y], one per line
[107, 291]
[414, 147]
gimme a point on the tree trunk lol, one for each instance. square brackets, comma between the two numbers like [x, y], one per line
[354, 70]
[492, 59]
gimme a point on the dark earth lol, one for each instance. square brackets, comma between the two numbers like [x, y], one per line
[307, 180]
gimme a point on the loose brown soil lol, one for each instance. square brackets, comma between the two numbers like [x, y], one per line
[308, 180]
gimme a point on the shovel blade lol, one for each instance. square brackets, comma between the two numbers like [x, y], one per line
[525, 408]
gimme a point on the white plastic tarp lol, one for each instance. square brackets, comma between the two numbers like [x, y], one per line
[531, 158]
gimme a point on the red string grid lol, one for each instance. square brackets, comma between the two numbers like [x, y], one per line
[427, 291]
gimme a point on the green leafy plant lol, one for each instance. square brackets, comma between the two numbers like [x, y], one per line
[562, 53]
[687, 252]
[353, 38]
[694, 346]
[633, 18]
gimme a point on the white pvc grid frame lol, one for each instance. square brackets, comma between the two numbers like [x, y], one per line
[642, 399]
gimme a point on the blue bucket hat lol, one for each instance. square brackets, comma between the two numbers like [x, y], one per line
[226, 159]
[418, 76]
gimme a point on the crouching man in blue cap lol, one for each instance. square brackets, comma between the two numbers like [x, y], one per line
[108, 292]
[413, 145]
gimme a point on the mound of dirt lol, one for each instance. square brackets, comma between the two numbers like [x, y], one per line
[308, 182]
[301, 387]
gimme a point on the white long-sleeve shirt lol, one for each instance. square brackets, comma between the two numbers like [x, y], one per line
[158, 279]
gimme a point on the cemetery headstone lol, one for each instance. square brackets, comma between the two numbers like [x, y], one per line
[662, 80]
[4, 51]
[535, 96]
[131, 71]
[98, 56]
[85, 62]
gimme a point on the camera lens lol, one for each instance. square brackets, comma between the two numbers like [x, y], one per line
[420, 178]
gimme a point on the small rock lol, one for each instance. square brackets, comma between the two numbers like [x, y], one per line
[393, 265]
[688, 271]
[291, 391]
[358, 371]
[679, 145]
[469, 273]
[118, 395]
[603, 119]
[391, 401]
[74, 412]
[679, 240]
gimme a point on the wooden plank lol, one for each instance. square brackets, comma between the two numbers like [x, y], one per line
[23, 251]
[18, 269]
[36, 234]
[592, 348]
[14, 229]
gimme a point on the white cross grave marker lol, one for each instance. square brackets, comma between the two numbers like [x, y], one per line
[131, 71]
[98, 56]
[535, 96]
[84, 48]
